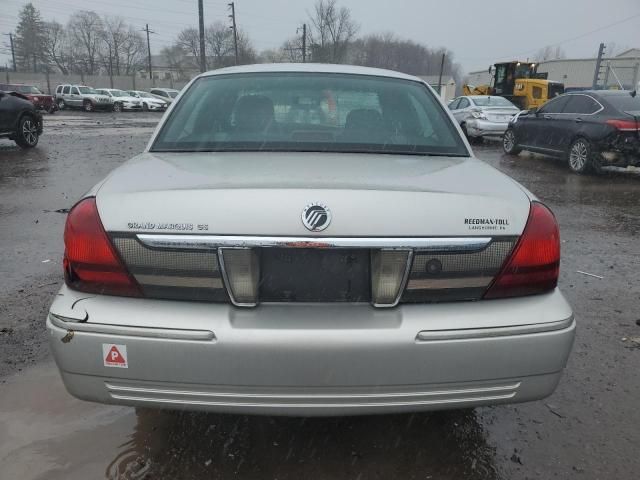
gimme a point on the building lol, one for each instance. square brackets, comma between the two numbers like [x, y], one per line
[448, 88]
[578, 73]
[166, 71]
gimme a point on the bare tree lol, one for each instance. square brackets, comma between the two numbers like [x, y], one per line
[246, 51]
[332, 29]
[55, 47]
[114, 35]
[174, 58]
[291, 50]
[189, 41]
[133, 51]
[219, 44]
[86, 30]
[549, 52]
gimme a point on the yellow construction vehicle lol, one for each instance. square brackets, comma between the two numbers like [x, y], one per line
[519, 82]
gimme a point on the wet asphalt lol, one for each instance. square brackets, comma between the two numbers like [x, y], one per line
[588, 429]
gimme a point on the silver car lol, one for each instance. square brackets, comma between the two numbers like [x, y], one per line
[482, 115]
[81, 96]
[310, 240]
[166, 94]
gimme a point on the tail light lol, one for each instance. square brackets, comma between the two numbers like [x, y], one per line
[534, 265]
[91, 264]
[624, 125]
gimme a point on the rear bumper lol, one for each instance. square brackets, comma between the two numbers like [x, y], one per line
[482, 128]
[313, 360]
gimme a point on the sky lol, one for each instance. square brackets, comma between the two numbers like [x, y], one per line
[478, 33]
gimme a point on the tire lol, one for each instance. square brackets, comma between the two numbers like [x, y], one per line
[88, 106]
[509, 143]
[27, 134]
[117, 107]
[145, 107]
[61, 105]
[472, 140]
[52, 109]
[581, 157]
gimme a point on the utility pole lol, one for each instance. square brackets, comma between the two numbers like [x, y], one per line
[110, 68]
[13, 53]
[203, 57]
[440, 77]
[596, 75]
[234, 28]
[304, 43]
[146, 29]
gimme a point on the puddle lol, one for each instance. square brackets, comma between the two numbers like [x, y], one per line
[47, 434]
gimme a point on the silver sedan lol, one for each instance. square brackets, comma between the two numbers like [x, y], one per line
[483, 115]
[310, 240]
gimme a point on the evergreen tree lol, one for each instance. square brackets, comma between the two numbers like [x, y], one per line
[29, 38]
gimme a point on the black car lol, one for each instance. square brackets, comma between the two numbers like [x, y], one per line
[590, 129]
[19, 119]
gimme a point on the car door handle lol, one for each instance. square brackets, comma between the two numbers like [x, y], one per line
[547, 117]
[578, 120]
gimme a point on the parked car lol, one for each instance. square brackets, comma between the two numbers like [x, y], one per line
[482, 115]
[19, 119]
[166, 94]
[357, 259]
[81, 96]
[149, 101]
[120, 99]
[40, 100]
[589, 129]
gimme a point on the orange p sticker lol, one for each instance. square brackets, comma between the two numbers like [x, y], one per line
[114, 355]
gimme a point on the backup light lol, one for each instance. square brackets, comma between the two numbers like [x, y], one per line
[241, 272]
[388, 275]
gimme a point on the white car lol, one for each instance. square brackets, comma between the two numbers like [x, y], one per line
[305, 239]
[121, 100]
[149, 102]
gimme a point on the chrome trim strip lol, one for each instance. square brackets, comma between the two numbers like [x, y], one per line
[403, 284]
[212, 242]
[178, 281]
[440, 283]
[456, 391]
[225, 279]
[128, 331]
[478, 333]
[443, 401]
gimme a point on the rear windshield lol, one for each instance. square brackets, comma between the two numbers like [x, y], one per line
[27, 89]
[309, 112]
[625, 103]
[492, 102]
